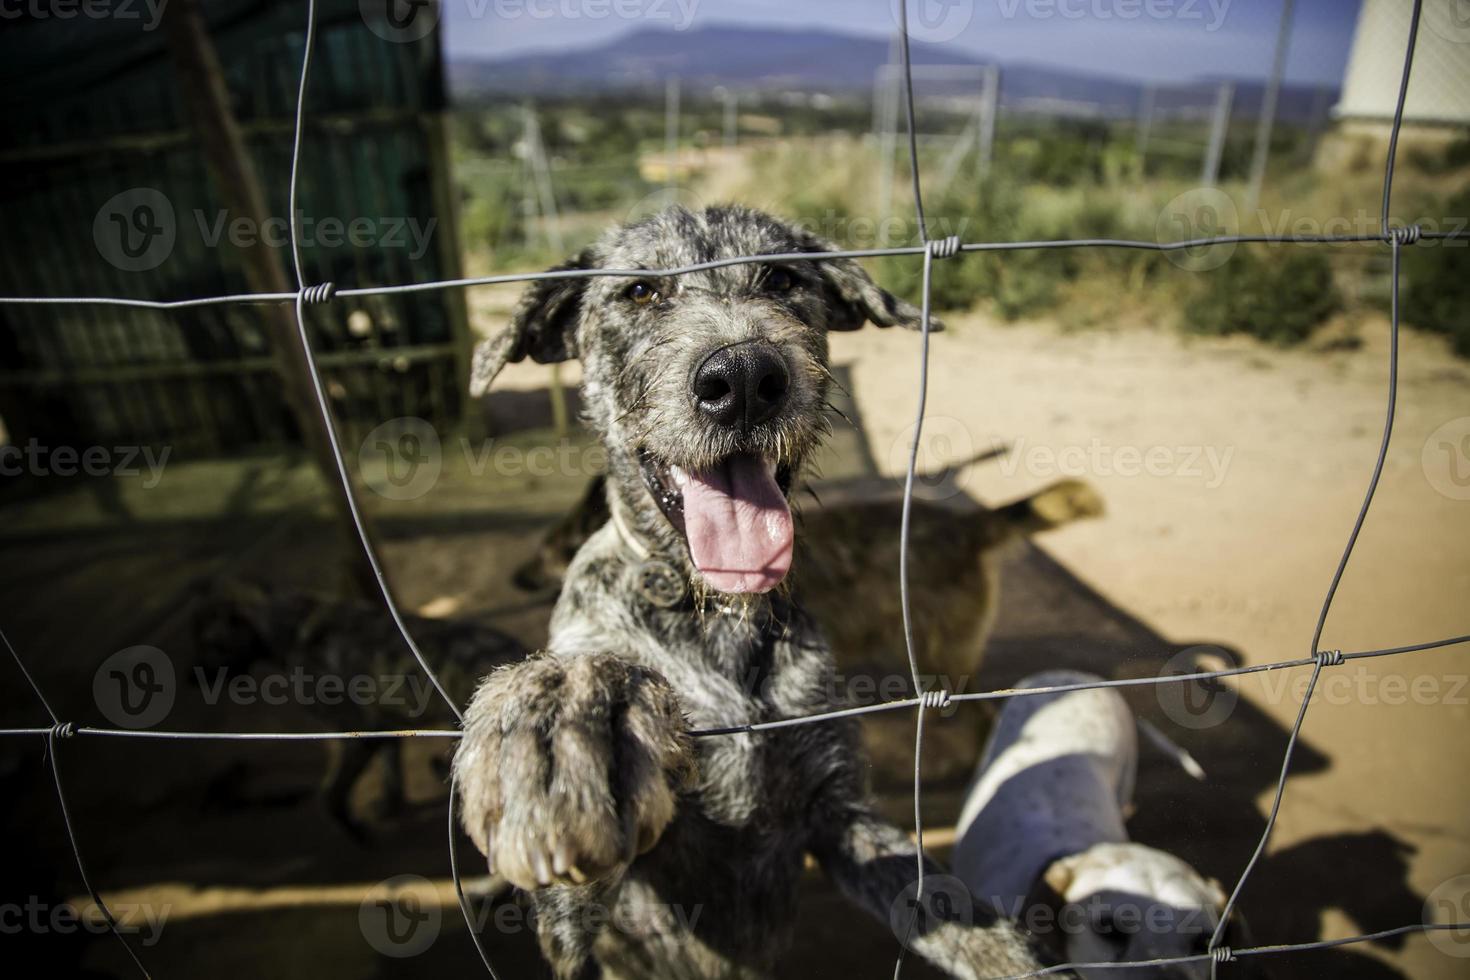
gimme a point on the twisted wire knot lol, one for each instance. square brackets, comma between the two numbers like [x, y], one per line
[320, 293]
[1222, 954]
[62, 729]
[934, 699]
[1407, 235]
[943, 248]
[1329, 658]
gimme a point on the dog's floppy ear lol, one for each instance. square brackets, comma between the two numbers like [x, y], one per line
[543, 326]
[857, 299]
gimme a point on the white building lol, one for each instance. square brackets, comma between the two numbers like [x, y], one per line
[1439, 88]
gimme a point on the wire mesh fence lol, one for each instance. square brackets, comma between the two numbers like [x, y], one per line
[1397, 238]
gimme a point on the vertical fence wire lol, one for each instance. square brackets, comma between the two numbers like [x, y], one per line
[1325, 658]
[323, 293]
[59, 730]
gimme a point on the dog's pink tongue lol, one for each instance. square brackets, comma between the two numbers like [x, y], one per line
[738, 525]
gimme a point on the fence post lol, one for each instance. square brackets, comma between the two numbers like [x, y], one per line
[990, 109]
[1145, 125]
[671, 128]
[544, 199]
[732, 118]
[887, 96]
[1218, 125]
[1268, 110]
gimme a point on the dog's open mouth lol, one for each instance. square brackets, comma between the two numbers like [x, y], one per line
[734, 517]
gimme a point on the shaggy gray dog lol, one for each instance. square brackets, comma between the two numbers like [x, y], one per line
[649, 853]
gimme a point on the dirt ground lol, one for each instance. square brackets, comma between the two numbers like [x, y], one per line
[1232, 540]
[1231, 474]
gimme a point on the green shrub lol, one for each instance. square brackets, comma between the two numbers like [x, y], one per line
[1435, 291]
[1277, 294]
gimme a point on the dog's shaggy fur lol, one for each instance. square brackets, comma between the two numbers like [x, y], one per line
[577, 775]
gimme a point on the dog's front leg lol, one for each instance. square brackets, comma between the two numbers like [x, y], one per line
[570, 767]
[874, 864]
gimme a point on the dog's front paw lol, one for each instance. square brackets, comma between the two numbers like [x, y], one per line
[569, 767]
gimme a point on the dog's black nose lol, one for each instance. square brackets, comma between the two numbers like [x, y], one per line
[742, 385]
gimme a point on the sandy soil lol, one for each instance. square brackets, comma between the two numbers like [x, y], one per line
[1232, 474]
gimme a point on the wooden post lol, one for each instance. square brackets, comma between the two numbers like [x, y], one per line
[206, 98]
[446, 207]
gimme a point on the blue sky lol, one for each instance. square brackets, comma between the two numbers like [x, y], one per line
[1155, 40]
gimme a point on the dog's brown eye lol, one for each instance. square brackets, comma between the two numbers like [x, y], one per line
[641, 293]
[779, 280]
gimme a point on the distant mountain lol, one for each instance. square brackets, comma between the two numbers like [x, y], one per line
[746, 58]
[711, 55]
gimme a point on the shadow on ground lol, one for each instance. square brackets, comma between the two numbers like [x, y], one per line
[270, 887]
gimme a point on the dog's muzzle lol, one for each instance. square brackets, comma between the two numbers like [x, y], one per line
[732, 509]
[739, 386]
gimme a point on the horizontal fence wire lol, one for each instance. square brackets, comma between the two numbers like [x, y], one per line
[999, 694]
[773, 258]
[930, 250]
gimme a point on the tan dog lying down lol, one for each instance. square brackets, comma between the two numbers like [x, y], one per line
[1043, 827]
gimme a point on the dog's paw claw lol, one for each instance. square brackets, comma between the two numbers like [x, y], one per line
[570, 767]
